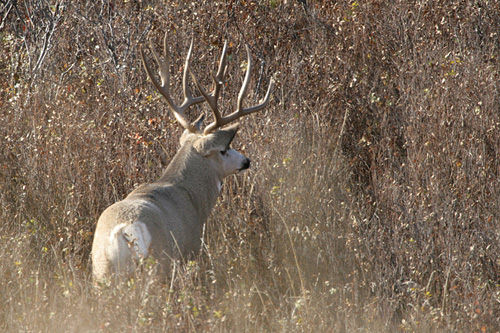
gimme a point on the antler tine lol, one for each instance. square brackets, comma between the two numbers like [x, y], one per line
[185, 88]
[263, 102]
[218, 82]
[244, 86]
[149, 71]
[221, 72]
[240, 112]
[163, 65]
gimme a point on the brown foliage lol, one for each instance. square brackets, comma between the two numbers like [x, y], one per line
[373, 198]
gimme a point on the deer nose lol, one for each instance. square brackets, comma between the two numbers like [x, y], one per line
[246, 164]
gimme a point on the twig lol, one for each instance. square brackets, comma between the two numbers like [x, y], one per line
[346, 114]
[299, 270]
[6, 14]
[445, 290]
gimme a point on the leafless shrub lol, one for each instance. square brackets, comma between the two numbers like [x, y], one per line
[373, 200]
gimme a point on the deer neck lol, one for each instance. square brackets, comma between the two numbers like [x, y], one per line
[197, 176]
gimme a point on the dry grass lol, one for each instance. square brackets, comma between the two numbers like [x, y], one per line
[373, 199]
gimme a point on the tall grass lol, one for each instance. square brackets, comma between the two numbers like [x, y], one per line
[372, 203]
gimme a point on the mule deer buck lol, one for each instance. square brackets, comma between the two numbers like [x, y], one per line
[165, 218]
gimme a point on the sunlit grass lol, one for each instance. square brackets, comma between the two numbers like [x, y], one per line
[371, 203]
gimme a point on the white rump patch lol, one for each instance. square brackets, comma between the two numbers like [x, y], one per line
[128, 241]
[138, 238]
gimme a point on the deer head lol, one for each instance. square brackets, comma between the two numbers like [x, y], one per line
[212, 139]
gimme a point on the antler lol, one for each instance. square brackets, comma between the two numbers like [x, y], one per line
[163, 66]
[211, 99]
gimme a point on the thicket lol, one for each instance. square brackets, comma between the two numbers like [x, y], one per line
[373, 201]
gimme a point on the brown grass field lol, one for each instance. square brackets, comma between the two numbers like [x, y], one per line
[372, 203]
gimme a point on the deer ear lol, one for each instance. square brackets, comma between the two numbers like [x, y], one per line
[206, 145]
[216, 141]
[198, 122]
[231, 130]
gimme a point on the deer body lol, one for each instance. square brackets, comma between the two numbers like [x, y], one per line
[165, 218]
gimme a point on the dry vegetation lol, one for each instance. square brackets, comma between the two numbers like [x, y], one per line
[372, 204]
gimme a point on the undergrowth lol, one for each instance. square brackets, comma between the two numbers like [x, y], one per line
[372, 203]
